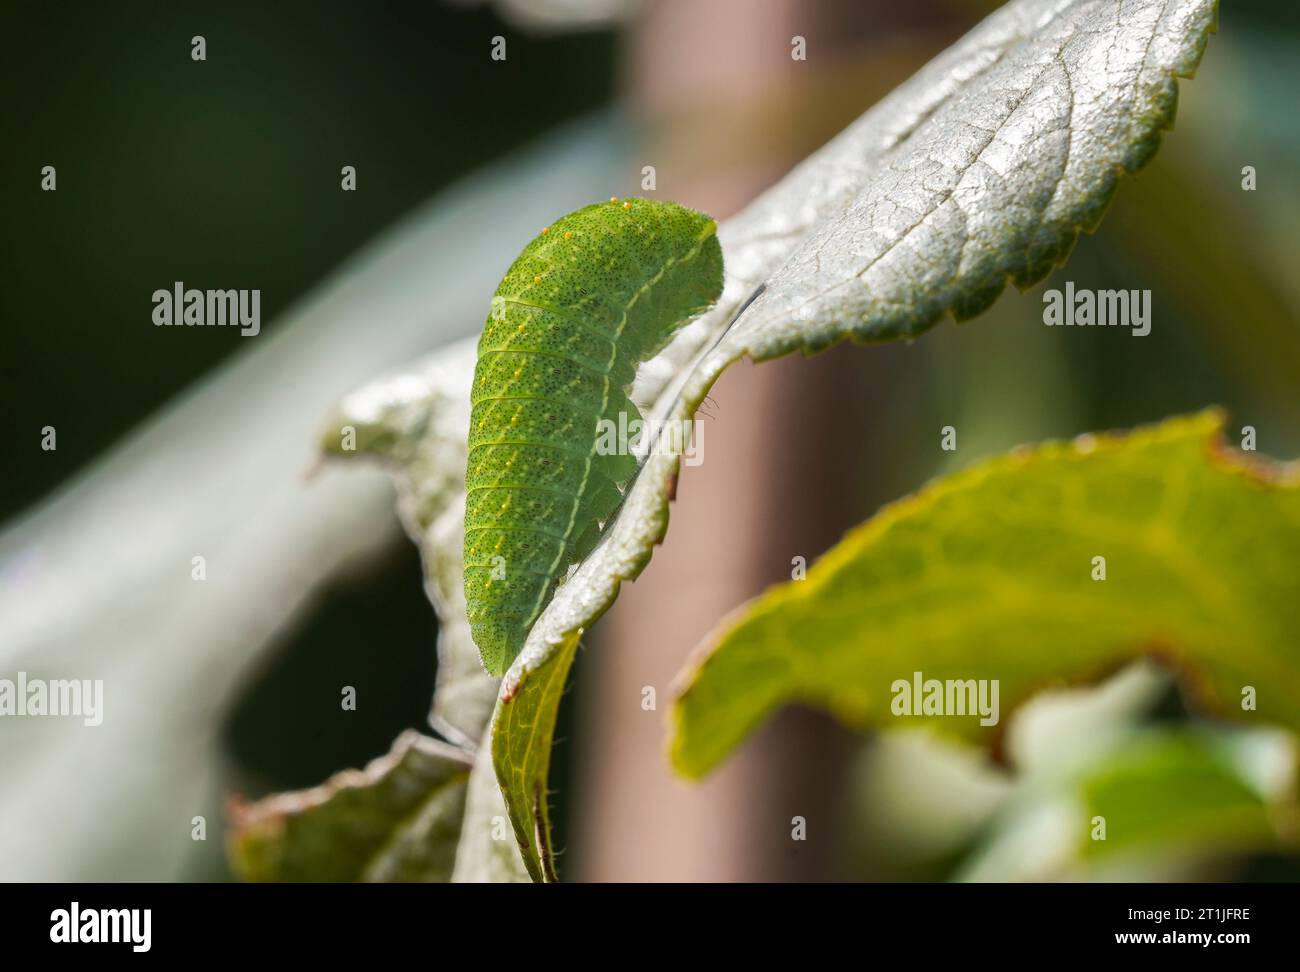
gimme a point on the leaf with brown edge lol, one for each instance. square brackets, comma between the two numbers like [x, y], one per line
[987, 574]
[397, 820]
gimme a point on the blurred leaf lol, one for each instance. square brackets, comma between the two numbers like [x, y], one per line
[396, 820]
[984, 165]
[546, 16]
[920, 800]
[1173, 789]
[1171, 798]
[1178, 797]
[987, 574]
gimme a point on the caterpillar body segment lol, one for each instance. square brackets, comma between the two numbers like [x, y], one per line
[593, 296]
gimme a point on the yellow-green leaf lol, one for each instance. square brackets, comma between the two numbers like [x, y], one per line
[990, 575]
[522, 733]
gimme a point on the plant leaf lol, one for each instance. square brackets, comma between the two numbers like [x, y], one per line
[488, 852]
[995, 184]
[1181, 790]
[396, 820]
[1176, 795]
[1170, 796]
[522, 736]
[414, 422]
[988, 574]
[845, 205]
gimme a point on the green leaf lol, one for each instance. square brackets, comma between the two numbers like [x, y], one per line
[1175, 790]
[1177, 796]
[396, 820]
[988, 574]
[1171, 798]
[1071, 93]
[522, 736]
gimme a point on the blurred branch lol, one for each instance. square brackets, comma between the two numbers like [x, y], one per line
[96, 584]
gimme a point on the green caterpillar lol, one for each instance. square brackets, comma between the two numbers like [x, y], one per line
[597, 293]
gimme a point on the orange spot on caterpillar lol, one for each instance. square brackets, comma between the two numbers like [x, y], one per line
[546, 229]
[537, 279]
[613, 198]
[568, 235]
[627, 205]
